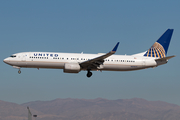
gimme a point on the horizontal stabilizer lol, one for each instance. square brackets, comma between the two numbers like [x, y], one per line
[165, 58]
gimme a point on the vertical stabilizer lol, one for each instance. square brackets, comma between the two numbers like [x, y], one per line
[160, 47]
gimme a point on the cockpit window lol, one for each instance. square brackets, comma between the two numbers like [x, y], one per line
[13, 56]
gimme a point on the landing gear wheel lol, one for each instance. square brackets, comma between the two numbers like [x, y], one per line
[19, 71]
[89, 74]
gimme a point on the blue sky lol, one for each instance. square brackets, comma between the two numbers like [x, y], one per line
[90, 27]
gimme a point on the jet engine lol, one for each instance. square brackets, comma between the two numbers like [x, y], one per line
[72, 68]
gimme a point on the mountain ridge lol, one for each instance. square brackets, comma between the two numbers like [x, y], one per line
[96, 109]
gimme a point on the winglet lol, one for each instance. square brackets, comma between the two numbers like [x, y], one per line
[115, 48]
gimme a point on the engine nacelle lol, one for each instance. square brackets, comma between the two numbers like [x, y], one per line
[72, 68]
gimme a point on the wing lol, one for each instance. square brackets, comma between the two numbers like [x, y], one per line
[96, 62]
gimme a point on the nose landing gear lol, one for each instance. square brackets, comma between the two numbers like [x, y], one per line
[19, 71]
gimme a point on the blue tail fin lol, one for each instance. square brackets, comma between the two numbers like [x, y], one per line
[160, 47]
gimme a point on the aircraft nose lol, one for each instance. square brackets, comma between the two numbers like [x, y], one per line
[6, 60]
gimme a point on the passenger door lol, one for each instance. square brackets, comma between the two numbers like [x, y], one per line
[24, 57]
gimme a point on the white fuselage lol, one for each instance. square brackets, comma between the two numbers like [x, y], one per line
[74, 62]
[58, 60]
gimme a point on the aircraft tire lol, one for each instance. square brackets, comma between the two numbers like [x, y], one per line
[89, 74]
[19, 72]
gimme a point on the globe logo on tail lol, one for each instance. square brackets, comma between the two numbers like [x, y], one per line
[156, 50]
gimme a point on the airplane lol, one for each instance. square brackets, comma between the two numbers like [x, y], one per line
[76, 62]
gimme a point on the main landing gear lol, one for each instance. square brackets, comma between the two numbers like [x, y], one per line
[89, 73]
